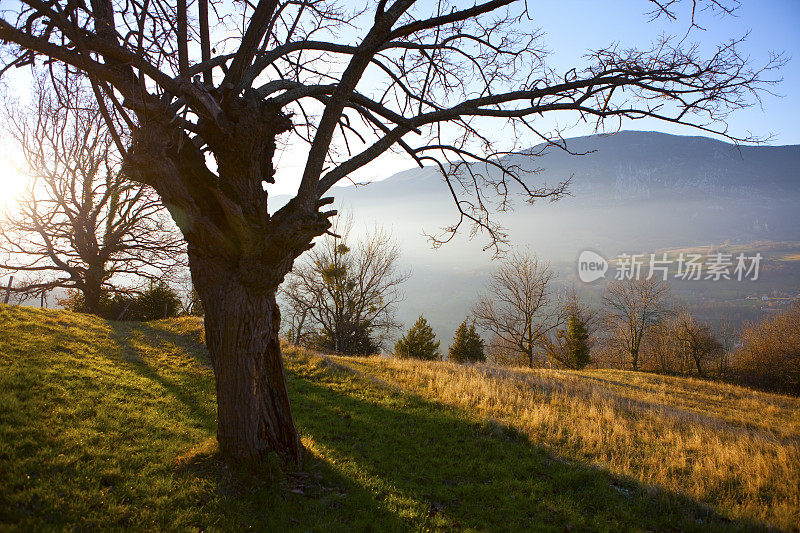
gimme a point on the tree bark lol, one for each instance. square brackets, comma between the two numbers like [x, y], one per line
[92, 293]
[254, 416]
[239, 254]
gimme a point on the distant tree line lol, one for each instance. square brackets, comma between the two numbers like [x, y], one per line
[638, 326]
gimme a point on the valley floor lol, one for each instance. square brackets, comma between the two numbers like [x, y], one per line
[110, 424]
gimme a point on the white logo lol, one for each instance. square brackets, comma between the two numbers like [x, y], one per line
[591, 266]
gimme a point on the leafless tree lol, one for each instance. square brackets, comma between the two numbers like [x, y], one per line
[728, 335]
[662, 352]
[191, 304]
[682, 344]
[81, 224]
[520, 306]
[432, 79]
[699, 343]
[346, 292]
[296, 307]
[769, 356]
[632, 307]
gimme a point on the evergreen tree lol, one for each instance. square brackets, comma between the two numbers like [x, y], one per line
[467, 345]
[419, 342]
[576, 343]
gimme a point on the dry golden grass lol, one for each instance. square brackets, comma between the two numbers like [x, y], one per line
[733, 448]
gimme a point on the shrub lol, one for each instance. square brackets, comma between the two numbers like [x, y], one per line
[770, 353]
[111, 305]
[467, 347]
[351, 339]
[157, 301]
[419, 342]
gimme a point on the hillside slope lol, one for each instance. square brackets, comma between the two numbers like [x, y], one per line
[106, 424]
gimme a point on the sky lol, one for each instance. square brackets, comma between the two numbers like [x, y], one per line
[571, 27]
[773, 25]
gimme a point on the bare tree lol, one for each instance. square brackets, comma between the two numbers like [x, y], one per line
[728, 335]
[204, 119]
[296, 306]
[663, 352]
[699, 342]
[347, 296]
[769, 356]
[633, 306]
[81, 224]
[520, 306]
[682, 344]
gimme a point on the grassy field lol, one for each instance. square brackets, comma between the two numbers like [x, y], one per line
[106, 424]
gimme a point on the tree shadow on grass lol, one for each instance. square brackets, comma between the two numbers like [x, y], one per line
[434, 467]
[184, 386]
[268, 498]
[191, 343]
[391, 461]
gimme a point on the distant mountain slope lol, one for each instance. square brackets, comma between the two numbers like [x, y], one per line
[686, 190]
[647, 160]
[642, 164]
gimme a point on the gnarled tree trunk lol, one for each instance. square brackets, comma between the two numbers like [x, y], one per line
[254, 417]
[92, 288]
[239, 254]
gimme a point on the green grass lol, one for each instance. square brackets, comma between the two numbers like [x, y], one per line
[111, 425]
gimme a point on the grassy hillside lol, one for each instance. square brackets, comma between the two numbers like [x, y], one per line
[106, 424]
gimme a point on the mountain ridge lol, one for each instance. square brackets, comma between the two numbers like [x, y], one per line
[608, 154]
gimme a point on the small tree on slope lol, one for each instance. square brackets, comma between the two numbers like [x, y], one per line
[467, 345]
[419, 343]
[576, 342]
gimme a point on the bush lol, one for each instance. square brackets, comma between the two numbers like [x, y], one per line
[111, 305]
[352, 339]
[467, 345]
[419, 342]
[770, 354]
[158, 301]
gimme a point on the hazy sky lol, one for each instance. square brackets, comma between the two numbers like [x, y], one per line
[572, 27]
